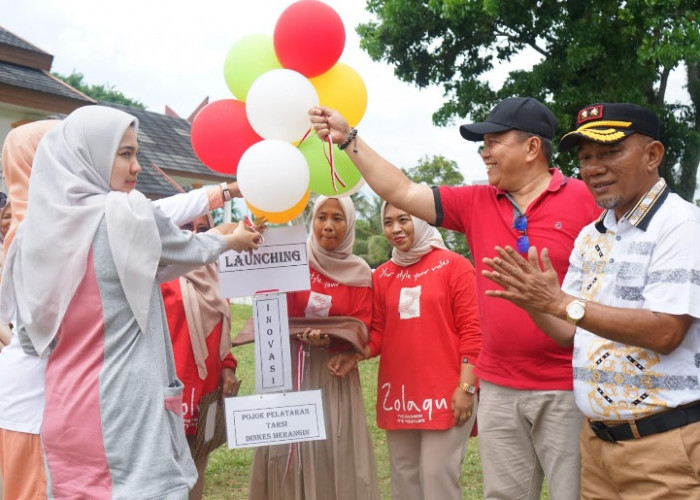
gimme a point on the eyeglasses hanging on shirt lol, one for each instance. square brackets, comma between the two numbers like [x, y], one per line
[520, 225]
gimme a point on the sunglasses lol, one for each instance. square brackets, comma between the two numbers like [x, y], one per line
[201, 228]
[520, 225]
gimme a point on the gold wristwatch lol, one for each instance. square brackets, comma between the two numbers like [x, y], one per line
[467, 388]
[575, 311]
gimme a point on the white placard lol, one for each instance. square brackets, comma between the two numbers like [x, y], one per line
[282, 418]
[273, 362]
[280, 264]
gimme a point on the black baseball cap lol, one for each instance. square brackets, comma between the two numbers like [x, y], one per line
[520, 113]
[610, 122]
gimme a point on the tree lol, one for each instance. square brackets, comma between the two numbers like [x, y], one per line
[612, 51]
[98, 92]
[438, 171]
[370, 243]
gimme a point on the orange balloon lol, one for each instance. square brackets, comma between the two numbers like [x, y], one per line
[284, 216]
[342, 88]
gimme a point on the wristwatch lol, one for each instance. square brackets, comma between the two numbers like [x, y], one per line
[575, 311]
[225, 192]
[467, 388]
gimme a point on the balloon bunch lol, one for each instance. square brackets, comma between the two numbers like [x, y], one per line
[263, 135]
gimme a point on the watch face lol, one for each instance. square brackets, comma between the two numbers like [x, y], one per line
[575, 310]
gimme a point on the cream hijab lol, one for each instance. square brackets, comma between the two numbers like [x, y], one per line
[70, 193]
[425, 238]
[340, 264]
[204, 308]
[17, 158]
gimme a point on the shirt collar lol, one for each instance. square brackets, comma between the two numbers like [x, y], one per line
[641, 214]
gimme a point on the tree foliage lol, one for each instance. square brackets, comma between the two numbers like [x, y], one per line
[592, 51]
[98, 92]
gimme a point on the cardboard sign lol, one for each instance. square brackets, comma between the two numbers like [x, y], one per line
[282, 418]
[280, 264]
[273, 362]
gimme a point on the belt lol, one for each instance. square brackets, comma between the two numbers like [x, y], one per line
[653, 424]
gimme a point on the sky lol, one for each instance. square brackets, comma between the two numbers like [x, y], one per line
[171, 52]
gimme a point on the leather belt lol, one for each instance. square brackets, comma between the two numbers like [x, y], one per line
[646, 426]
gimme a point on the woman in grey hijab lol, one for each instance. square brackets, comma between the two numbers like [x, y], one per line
[80, 285]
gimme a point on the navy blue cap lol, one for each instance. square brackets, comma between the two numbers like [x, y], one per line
[608, 123]
[519, 113]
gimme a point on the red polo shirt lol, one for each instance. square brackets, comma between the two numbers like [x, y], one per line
[514, 352]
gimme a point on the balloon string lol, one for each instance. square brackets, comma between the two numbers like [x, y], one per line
[294, 447]
[331, 163]
[305, 136]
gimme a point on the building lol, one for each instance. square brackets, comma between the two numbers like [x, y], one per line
[28, 92]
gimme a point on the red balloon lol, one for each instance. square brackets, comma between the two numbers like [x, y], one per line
[221, 133]
[309, 37]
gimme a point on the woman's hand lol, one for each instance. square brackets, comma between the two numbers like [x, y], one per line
[314, 338]
[243, 238]
[462, 406]
[341, 363]
[229, 383]
[326, 121]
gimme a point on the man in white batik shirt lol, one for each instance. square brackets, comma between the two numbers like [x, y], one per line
[630, 303]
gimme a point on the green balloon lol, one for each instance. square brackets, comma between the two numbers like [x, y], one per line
[320, 180]
[246, 60]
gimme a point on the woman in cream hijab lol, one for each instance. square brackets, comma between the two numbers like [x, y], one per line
[342, 467]
[21, 375]
[425, 326]
[199, 320]
[80, 286]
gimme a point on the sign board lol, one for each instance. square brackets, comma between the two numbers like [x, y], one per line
[281, 264]
[273, 362]
[281, 418]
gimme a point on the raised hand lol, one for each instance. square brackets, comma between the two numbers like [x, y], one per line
[326, 121]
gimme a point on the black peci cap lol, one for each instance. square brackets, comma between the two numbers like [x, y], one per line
[519, 113]
[608, 123]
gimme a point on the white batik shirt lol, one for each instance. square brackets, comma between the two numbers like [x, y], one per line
[648, 259]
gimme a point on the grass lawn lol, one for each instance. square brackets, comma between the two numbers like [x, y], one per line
[227, 473]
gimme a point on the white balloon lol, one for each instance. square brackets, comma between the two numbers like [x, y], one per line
[273, 175]
[278, 103]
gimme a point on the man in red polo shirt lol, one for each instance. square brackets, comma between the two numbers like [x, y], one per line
[527, 412]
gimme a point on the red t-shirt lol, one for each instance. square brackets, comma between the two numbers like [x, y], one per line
[424, 321]
[515, 353]
[330, 298]
[185, 365]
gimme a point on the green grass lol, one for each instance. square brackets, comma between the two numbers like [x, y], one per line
[227, 473]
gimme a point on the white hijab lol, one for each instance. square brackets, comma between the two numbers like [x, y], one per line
[69, 194]
[425, 238]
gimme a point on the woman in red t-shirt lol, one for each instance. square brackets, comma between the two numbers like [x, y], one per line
[425, 326]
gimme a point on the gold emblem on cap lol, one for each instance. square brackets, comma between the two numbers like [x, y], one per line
[593, 132]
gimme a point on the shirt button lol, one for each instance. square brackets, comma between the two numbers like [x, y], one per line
[611, 260]
[618, 238]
